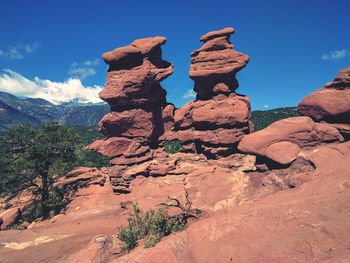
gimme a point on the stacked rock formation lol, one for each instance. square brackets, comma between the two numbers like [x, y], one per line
[331, 103]
[136, 99]
[219, 118]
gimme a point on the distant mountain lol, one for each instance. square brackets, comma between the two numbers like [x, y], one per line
[14, 110]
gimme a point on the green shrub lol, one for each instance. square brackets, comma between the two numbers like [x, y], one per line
[129, 237]
[152, 225]
[56, 202]
[173, 146]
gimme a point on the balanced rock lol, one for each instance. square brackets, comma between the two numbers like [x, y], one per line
[282, 140]
[330, 103]
[137, 100]
[134, 74]
[219, 118]
[215, 64]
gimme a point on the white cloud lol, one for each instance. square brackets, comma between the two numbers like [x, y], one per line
[94, 62]
[31, 48]
[83, 70]
[190, 94]
[13, 53]
[266, 106]
[17, 52]
[336, 54]
[55, 92]
[81, 73]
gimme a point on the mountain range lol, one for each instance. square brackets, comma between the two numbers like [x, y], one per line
[36, 111]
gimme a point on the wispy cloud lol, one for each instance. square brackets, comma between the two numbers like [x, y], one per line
[55, 92]
[84, 69]
[266, 106]
[190, 94]
[336, 54]
[31, 48]
[19, 51]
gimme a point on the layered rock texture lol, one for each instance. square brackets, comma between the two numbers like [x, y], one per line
[282, 140]
[136, 99]
[331, 103]
[219, 118]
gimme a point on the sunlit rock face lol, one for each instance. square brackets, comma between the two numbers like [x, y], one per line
[137, 100]
[331, 103]
[218, 119]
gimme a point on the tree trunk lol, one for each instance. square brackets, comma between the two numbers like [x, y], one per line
[44, 194]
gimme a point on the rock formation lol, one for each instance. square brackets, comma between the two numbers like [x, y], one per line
[282, 140]
[219, 118]
[295, 212]
[331, 103]
[136, 99]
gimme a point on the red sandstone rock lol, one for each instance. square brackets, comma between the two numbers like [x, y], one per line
[226, 32]
[219, 118]
[80, 170]
[82, 177]
[134, 74]
[215, 64]
[217, 112]
[246, 214]
[137, 101]
[9, 217]
[282, 152]
[327, 104]
[215, 137]
[341, 81]
[331, 103]
[116, 146]
[122, 56]
[124, 160]
[168, 117]
[147, 45]
[301, 131]
[293, 224]
[131, 123]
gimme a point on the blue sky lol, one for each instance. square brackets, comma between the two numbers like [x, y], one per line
[295, 46]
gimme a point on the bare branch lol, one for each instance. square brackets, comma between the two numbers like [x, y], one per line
[186, 210]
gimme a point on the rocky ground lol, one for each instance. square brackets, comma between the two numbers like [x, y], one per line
[296, 214]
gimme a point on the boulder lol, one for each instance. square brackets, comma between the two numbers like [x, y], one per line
[9, 217]
[282, 140]
[331, 103]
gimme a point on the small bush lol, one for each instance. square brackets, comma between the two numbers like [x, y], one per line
[155, 224]
[152, 225]
[173, 146]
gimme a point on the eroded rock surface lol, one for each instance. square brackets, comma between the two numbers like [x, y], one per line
[137, 101]
[282, 140]
[219, 118]
[215, 64]
[330, 103]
